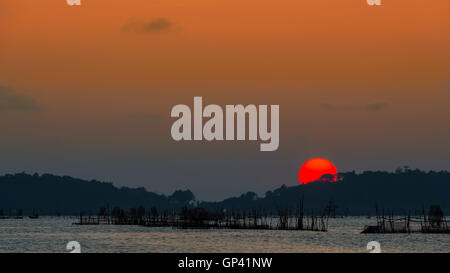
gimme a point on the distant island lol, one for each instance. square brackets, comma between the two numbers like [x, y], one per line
[353, 194]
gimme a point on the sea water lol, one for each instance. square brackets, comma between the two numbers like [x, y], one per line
[52, 234]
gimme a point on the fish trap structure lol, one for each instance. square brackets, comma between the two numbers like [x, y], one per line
[199, 218]
[434, 222]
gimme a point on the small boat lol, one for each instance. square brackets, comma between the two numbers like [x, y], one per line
[371, 229]
[35, 215]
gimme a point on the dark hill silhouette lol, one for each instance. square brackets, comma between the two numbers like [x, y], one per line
[354, 194]
[50, 195]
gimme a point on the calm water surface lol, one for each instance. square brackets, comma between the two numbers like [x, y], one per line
[49, 234]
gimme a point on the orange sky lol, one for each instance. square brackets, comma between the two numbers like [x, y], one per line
[378, 78]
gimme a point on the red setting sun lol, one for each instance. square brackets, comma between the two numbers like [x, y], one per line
[315, 168]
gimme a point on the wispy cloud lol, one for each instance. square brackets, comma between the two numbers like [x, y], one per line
[371, 107]
[378, 106]
[12, 101]
[153, 26]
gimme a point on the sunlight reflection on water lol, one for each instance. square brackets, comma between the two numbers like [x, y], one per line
[52, 234]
